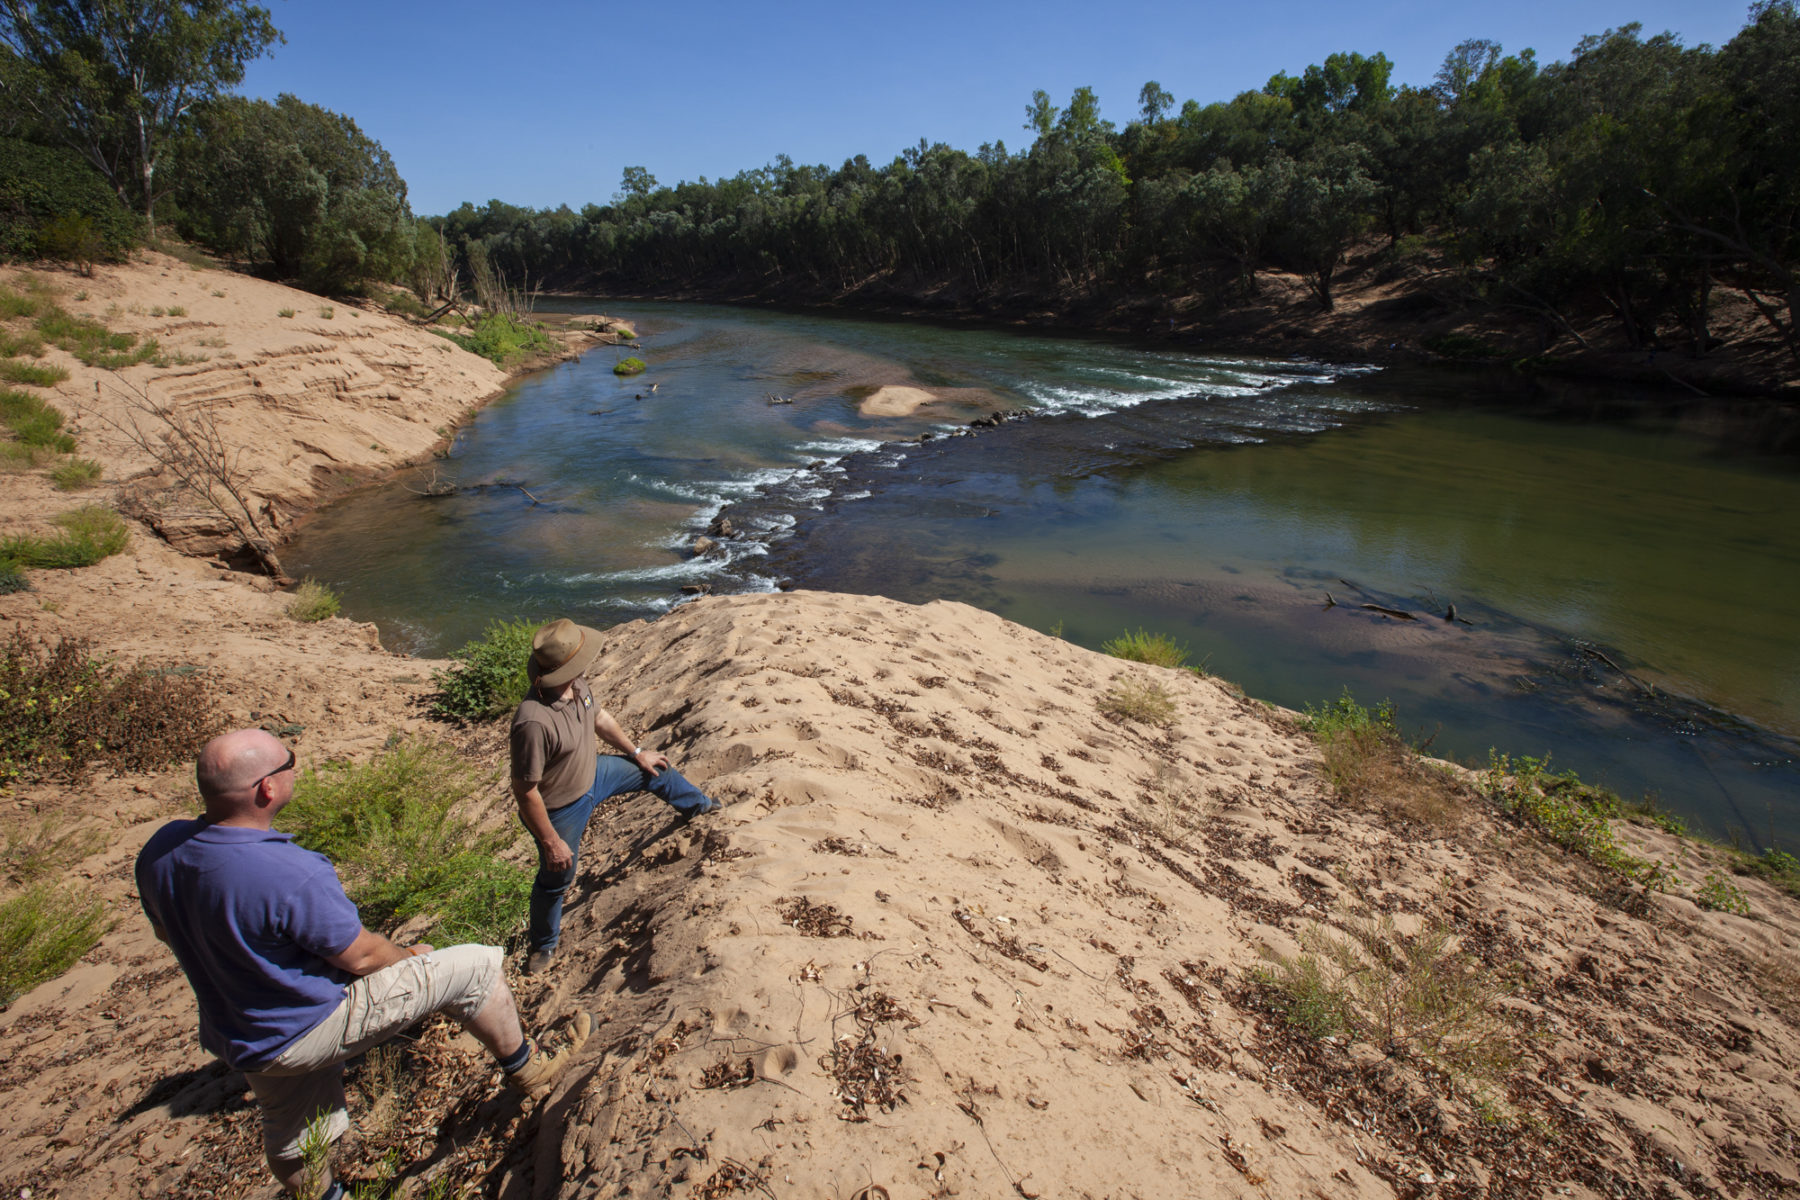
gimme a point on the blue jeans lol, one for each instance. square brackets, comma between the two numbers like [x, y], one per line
[613, 776]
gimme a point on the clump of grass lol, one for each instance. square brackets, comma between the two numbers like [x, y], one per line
[1721, 895]
[1421, 997]
[489, 676]
[1372, 767]
[44, 930]
[629, 366]
[326, 311]
[13, 344]
[502, 339]
[27, 303]
[284, 312]
[405, 303]
[93, 343]
[1777, 866]
[62, 711]
[313, 601]
[89, 535]
[402, 832]
[32, 852]
[73, 474]
[1574, 815]
[34, 374]
[1141, 700]
[176, 310]
[1156, 649]
[12, 579]
[33, 421]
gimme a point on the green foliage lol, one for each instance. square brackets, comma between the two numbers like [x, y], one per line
[1420, 996]
[1574, 815]
[89, 535]
[12, 579]
[313, 601]
[1371, 766]
[1156, 649]
[73, 474]
[44, 930]
[284, 312]
[92, 342]
[176, 310]
[1142, 700]
[502, 338]
[629, 366]
[489, 675]
[62, 711]
[54, 205]
[1721, 895]
[34, 374]
[13, 344]
[403, 831]
[32, 852]
[1777, 866]
[33, 421]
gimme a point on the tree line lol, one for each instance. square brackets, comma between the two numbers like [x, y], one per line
[1639, 179]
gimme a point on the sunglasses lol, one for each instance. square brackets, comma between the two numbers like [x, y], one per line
[286, 766]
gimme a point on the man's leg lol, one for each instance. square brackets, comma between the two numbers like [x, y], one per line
[615, 774]
[289, 1103]
[547, 889]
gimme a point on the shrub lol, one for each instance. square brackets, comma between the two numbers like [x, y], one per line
[12, 579]
[91, 534]
[93, 343]
[1156, 649]
[61, 711]
[48, 194]
[402, 831]
[73, 474]
[489, 676]
[313, 601]
[31, 373]
[12, 344]
[33, 421]
[176, 310]
[43, 932]
[1370, 765]
[1721, 895]
[629, 366]
[502, 339]
[1568, 812]
[1418, 996]
[31, 854]
[1141, 700]
[284, 312]
[326, 311]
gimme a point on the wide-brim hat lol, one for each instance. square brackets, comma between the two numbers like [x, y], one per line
[562, 650]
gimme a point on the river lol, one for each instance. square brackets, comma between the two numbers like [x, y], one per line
[1623, 572]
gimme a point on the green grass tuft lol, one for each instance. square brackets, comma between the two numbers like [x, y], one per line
[1142, 700]
[43, 932]
[13, 344]
[402, 832]
[34, 374]
[1156, 649]
[313, 601]
[90, 534]
[73, 474]
[629, 366]
[489, 677]
[92, 342]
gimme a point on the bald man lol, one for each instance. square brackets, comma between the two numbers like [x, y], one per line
[288, 981]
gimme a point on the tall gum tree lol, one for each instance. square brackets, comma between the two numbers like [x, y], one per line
[116, 79]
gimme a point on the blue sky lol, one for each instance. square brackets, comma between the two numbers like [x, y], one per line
[546, 103]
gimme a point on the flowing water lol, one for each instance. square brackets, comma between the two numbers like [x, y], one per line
[1623, 579]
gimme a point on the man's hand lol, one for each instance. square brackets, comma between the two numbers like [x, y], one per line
[557, 853]
[367, 954]
[652, 761]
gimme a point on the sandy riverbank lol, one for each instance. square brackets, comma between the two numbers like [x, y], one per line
[956, 933]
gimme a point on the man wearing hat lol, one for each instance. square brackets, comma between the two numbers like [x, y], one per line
[559, 777]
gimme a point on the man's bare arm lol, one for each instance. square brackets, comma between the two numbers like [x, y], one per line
[370, 952]
[537, 819]
[614, 735]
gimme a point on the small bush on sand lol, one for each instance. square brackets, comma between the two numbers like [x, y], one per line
[1777, 866]
[284, 312]
[629, 366]
[1142, 700]
[93, 343]
[32, 374]
[313, 601]
[43, 931]
[1371, 767]
[62, 711]
[12, 579]
[30, 852]
[489, 675]
[1574, 815]
[73, 474]
[14, 344]
[90, 534]
[33, 421]
[1721, 895]
[1419, 996]
[402, 831]
[1156, 649]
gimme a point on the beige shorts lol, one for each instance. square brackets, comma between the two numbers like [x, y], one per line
[308, 1078]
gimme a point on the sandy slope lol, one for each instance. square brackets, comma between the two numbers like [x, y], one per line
[944, 883]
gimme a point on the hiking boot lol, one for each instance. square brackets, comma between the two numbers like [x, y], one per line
[541, 1071]
[539, 962]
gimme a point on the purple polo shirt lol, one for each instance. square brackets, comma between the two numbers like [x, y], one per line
[251, 918]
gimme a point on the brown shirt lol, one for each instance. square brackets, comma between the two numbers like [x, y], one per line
[553, 745]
